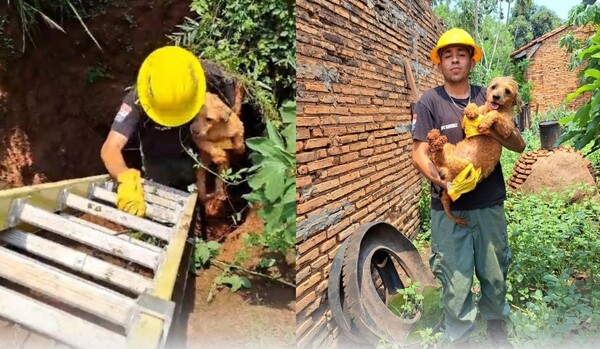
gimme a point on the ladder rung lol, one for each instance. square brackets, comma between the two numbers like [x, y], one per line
[107, 243]
[56, 323]
[165, 192]
[65, 287]
[77, 260]
[117, 216]
[152, 211]
[125, 237]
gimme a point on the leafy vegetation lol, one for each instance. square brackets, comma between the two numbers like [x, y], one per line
[274, 182]
[257, 38]
[584, 125]
[498, 34]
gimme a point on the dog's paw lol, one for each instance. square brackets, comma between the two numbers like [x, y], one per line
[436, 140]
[485, 125]
[472, 111]
[219, 156]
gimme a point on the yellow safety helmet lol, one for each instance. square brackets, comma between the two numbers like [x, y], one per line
[455, 36]
[171, 86]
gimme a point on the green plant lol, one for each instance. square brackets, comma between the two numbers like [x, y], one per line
[518, 70]
[585, 123]
[408, 301]
[554, 273]
[96, 73]
[274, 181]
[204, 251]
[425, 209]
[257, 38]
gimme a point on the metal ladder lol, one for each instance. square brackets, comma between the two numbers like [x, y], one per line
[111, 306]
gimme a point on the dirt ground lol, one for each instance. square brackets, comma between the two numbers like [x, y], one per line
[57, 102]
[260, 317]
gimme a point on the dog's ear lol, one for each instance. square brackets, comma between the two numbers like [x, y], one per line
[225, 115]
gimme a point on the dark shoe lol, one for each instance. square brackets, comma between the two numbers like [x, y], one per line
[496, 332]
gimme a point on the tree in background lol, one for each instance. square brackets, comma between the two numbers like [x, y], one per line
[499, 27]
[530, 22]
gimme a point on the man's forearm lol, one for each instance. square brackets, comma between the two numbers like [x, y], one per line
[424, 165]
[513, 142]
[113, 161]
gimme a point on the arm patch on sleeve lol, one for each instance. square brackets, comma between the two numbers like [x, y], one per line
[124, 111]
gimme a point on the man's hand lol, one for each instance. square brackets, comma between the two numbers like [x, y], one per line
[130, 194]
[464, 182]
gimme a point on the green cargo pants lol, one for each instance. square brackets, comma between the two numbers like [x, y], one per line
[457, 252]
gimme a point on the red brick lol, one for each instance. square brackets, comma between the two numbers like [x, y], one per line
[307, 121]
[306, 244]
[302, 303]
[325, 186]
[309, 283]
[317, 143]
[311, 205]
[319, 164]
[302, 133]
[303, 181]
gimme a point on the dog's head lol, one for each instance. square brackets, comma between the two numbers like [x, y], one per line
[215, 111]
[503, 94]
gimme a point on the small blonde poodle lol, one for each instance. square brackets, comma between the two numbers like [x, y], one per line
[216, 131]
[482, 150]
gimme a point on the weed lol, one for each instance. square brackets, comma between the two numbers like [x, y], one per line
[96, 73]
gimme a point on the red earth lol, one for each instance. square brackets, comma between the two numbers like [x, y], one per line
[57, 102]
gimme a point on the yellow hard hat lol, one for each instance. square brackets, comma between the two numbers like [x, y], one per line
[171, 86]
[455, 36]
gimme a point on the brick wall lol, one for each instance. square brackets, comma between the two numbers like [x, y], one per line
[548, 72]
[353, 133]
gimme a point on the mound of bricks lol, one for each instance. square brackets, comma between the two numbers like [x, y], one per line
[552, 169]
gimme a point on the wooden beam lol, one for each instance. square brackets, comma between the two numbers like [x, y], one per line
[56, 323]
[77, 260]
[148, 331]
[112, 214]
[46, 195]
[65, 287]
[104, 242]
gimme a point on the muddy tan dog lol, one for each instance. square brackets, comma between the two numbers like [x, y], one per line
[216, 131]
[482, 150]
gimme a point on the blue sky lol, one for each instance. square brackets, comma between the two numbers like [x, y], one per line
[560, 7]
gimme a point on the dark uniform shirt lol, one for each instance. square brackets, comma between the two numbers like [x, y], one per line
[160, 142]
[435, 109]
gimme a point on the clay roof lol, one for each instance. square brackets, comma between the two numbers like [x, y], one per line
[532, 46]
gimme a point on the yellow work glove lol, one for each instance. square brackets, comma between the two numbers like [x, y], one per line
[464, 182]
[130, 195]
[470, 126]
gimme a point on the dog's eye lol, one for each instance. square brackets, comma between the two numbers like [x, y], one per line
[507, 91]
[494, 87]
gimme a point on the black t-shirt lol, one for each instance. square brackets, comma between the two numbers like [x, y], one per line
[160, 142]
[436, 109]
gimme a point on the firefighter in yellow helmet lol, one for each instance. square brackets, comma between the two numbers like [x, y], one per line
[482, 248]
[169, 92]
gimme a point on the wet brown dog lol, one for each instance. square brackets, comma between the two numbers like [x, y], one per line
[481, 150]
[216, 131]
